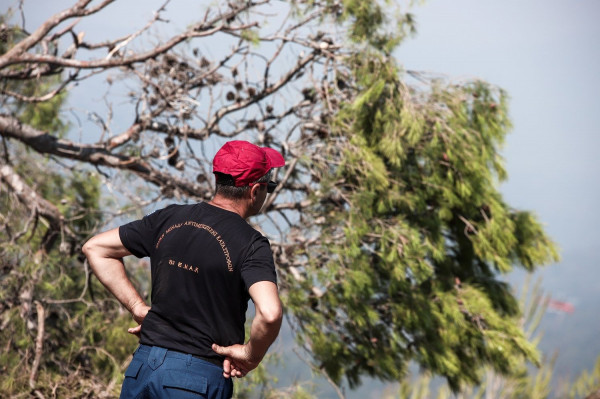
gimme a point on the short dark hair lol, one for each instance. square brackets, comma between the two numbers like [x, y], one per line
[225, 185]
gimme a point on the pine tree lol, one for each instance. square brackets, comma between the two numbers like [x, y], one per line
[408, 261]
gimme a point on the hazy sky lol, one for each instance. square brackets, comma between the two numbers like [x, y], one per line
[545, 54]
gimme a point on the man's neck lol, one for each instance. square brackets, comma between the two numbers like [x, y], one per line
[236, 206]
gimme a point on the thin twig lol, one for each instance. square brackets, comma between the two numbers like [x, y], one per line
[39, 343]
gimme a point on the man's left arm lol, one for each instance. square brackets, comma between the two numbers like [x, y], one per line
[241, 359]
[105, 253]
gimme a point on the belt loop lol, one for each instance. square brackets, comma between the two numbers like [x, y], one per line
[188, 361]
[156, 357]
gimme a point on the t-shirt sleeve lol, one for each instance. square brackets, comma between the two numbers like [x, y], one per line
[139, 236]
[259, 265]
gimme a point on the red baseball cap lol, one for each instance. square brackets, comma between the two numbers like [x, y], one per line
[246, 162]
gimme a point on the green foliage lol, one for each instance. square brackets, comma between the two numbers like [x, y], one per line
[587, 383]
[426, 236]
[377, 24]
[84, 345]
[527, 384]
[42, 115]
[251, 36]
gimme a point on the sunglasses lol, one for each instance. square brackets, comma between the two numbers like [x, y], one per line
[271, 185]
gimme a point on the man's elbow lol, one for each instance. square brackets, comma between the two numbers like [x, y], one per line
[93, 250]
[273, 315]
[90, 248]
[87, 248]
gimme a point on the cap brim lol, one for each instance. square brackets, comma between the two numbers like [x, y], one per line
[275, 158]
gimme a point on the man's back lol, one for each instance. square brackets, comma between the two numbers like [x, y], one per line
[203, 261]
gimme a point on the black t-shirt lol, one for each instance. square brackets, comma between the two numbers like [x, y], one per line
[203, 260]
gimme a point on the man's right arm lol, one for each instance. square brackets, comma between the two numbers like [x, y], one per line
[105, 253]
[240, 359]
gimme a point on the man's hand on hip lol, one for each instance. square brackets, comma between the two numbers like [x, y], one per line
[238, 361]
[241, 359]
[139, 312]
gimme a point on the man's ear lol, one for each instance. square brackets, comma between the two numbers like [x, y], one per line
[254, 191]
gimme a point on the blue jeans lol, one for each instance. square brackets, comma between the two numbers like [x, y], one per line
[156, 372]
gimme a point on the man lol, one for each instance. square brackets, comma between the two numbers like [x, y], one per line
[206, 263]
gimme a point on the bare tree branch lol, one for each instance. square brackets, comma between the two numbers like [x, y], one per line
[17, 55]
[30, 198]
[95, 155]
[39, 99]
[78, 10]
